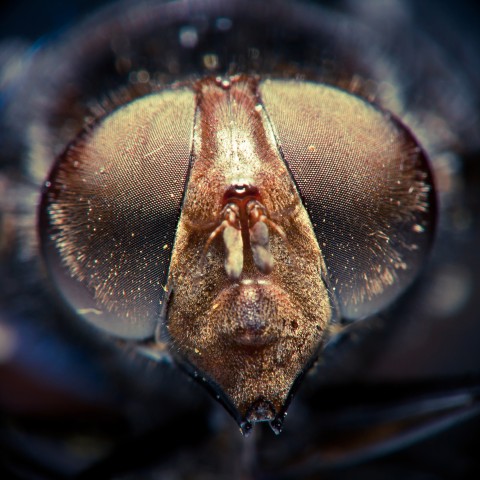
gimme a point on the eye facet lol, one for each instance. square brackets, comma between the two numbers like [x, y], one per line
[239, 217]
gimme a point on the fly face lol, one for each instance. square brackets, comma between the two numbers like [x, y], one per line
[240, 286]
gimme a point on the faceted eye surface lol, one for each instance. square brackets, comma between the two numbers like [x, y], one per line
[110, 208]
[365, 183]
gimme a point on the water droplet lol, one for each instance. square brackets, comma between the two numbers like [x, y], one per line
[188, 37]
[143, 76]
[210, 61]
[254, 53]
[223, 24]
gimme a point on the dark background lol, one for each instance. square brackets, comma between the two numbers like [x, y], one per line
[31, 19]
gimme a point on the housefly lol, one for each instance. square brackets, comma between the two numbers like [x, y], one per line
[237, 195]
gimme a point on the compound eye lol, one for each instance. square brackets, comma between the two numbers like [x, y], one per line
[366, 184]
[109, 212]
